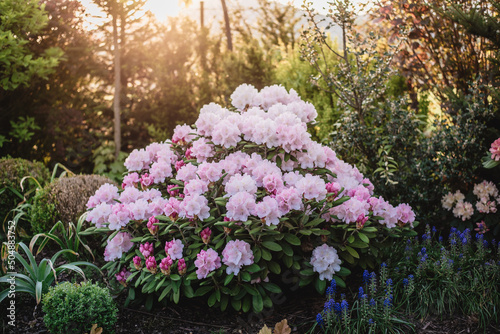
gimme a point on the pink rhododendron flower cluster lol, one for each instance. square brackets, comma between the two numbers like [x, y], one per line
[325, 261]
[495, 150]
[174, 249]
[120, 244]
[237, 254]
[206, 261]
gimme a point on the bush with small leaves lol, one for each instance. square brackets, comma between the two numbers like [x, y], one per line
[63, 199]
[74, 308]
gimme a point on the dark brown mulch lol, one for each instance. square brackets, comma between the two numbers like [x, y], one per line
[194, 316]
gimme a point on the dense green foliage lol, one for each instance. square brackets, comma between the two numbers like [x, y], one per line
[12, 171]
[20, 21]
[63, 199]
[74, 308]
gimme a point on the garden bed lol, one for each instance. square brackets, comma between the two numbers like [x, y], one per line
[193, 316]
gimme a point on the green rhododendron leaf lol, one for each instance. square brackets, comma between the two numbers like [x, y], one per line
[292, 239]
[272, 246]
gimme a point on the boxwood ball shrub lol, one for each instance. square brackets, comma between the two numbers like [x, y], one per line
[245, 195]
[63, 199]
[74, 308]
[12, 171]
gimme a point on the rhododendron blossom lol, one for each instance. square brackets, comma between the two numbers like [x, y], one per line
[206, 261]
[495, 150]
[237, 254]
[174, 249]
[325, 261]
[120, 244]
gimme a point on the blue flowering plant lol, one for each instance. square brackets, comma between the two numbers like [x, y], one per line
[372, 309]
[457, 273]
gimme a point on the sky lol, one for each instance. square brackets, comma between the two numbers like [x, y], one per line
[165, 8]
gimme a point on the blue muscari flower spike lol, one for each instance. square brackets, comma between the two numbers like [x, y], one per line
[372, 302]
[342, 296]
[410, 276]
[453, 241]
[423, 250]
[464, 240]
[337, 308]
[333, 285]
[329, 291]
[405, 282]
[361, 292]
[370, 321]
[389, 282]
[485, 243]
[366, 277]
[373, 275]
[387, 302]
[383, 265]
[319, 319]
[453, 230]
[450, 261]
[434, 229]
[344, 305]
[440, 238]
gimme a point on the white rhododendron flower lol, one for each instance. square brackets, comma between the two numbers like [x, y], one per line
[325, 261]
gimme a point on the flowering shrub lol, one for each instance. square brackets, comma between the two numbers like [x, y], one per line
[242, 195]
[476, 210]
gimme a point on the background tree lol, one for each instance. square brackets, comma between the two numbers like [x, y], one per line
[67, 106]
[20, 24]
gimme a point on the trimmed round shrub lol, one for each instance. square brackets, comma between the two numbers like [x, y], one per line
[12, 171]
[240, 203]
[74, 308]
[64, 200]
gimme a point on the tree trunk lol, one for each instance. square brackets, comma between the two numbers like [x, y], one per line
[228, 28]
[116, 100]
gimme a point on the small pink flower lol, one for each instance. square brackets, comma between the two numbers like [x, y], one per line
[206, 261]
[146, 180]
[333, 188]
[122, 276]
[181, 266]
[146, 249]
[179, 164]
[166, 265]
[151, 264]
[137, 262]
[360, 222]
[481, 227]
[495, 150]
[205, 235]
[151, 227]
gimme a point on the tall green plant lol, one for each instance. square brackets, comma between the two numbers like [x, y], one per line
[38, 277]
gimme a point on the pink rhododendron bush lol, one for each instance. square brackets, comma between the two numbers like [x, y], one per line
[238, 201]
